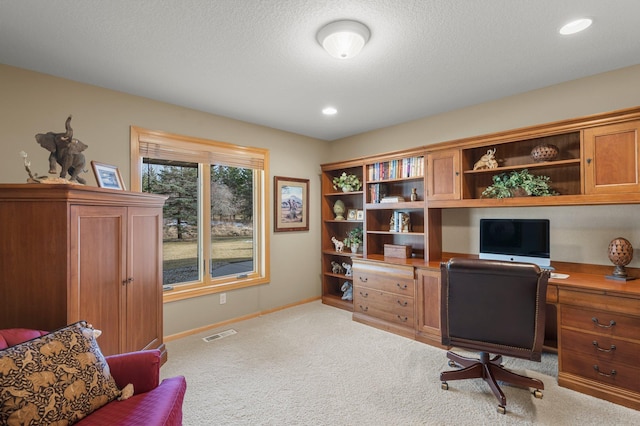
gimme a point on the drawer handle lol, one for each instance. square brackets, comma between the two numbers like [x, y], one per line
[364, 294]
[596, 322]
[595, 343]
[613, 372]
[364, 280]
[364, 308]
[403, 319]
[402, 287]
[405, 303]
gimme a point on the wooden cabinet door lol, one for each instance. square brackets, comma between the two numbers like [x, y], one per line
[443, 171]
[144, 279]
[97, 274]
[428, 306]
[612, 159]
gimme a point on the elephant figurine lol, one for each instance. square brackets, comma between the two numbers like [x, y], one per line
[66, 151]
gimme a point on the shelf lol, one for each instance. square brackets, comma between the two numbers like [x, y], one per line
[557, 200]
[342, 221]
[342, 277]
[406, 205]
[345, 253]
[340, 194]
[547, 164]
[395, 233]
[336, 301]
[405, 179]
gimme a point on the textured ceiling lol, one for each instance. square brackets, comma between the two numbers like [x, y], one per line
[259, 61]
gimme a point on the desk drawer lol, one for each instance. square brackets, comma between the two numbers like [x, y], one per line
[388, 278]
[601, 322]
[407, 320]
[611, 373]
[602, 348]
[385, 306]
[599, 301]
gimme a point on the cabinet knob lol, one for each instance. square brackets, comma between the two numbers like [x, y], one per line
[589, 160]
[402, 287]
[363, 279]
[403, 303]
[364, 294]
[364, 308]
[127, 281]
[403, 319]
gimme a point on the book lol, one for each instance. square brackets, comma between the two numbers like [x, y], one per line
[396, 199]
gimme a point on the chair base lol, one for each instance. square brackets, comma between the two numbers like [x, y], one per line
[490, 370]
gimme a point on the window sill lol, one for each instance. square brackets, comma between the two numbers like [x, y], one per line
[188, 291]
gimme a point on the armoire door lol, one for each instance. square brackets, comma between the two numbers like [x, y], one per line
[144, 279]
[97, 272]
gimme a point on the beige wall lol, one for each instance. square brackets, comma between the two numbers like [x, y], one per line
[578, 234]
[33, 103]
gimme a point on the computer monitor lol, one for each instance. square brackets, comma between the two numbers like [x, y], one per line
[516, 240]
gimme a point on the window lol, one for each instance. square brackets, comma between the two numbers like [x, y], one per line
[215, 226]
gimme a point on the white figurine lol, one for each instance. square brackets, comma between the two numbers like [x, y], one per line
[339, 244]
[347, 268]
[347, 288]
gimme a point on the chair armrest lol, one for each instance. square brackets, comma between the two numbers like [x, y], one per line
[141, 368]
[15, 336]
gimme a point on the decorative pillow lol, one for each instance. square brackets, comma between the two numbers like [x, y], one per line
[58, 378]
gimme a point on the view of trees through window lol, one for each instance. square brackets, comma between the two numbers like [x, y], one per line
[222, 222]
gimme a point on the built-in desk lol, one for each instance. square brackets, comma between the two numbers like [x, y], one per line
[593, 323]
[598, 336]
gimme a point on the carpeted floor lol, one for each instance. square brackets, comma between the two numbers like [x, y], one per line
[312, 365]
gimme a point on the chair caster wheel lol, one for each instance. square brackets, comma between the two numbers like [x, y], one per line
[444, 386]
[502, 409]
[452, 364]
[537, 393]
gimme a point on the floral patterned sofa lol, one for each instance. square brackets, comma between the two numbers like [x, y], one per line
[152, 403]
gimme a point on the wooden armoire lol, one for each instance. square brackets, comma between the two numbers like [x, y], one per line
[71, 252]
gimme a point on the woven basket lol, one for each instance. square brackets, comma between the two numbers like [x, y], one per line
[544, 152]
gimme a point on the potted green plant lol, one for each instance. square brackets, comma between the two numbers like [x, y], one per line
[354, 239]
[519, 184]
[347, 183]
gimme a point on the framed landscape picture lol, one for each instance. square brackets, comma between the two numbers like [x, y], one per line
[291, 201]
[107, 176]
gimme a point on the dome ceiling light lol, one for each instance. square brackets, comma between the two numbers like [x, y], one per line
[343, 39]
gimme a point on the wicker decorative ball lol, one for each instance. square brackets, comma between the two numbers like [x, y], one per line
[544, 152]
[620, 254]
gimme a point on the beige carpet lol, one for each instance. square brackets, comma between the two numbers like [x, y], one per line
[312, 365]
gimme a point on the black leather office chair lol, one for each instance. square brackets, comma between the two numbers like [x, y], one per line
[493, 307]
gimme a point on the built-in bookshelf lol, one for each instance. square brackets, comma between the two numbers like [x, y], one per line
[396, 169]
[394, 208]
[336, 264]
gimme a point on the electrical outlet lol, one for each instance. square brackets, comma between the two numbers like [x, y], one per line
[223, 298]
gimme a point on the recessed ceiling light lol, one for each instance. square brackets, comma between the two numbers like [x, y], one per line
[329, 111]
[576, 26]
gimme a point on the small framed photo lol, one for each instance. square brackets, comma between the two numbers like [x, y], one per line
[352, 214]
[291, 201]
[360, 215]
[107, 176]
